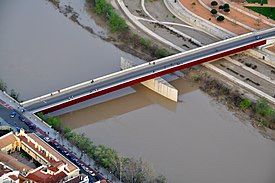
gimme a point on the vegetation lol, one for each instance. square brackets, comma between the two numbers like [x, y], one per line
[266, 11]
[214, 11]
[226, 6]
[118, 25]
[3, 86]
[127, 169]
[221, 7]
[220, 18]
[54, 122]
[145, 43]
[13, 93]
[257, 1]
[258, 110]
[226, 10]
[214, 3]
[245, 104]
[115, 22]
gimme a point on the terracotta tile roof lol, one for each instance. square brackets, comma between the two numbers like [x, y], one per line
[4, 170]
[52, 151]
[39, 176]
[13, 177]
[13, 162]
[7, 139]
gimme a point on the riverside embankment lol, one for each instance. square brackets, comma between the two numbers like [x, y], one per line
[195, 140]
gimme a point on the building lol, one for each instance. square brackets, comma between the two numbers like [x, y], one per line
[8, 175]
[54, 167]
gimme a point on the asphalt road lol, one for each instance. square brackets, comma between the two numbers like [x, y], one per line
[14, 122]
[147, 69]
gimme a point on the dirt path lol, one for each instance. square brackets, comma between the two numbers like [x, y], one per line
[272, 48]
[195, 7]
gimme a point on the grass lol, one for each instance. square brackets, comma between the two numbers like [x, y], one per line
[257, 1]
[266, 11]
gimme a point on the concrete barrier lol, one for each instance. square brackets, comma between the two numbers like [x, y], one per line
[158, 85]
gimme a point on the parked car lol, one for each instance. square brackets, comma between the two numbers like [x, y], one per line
[13, 114]
[21, 118]
[47, 139]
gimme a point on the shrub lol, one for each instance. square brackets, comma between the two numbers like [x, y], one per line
[196, 77]
[14, 94]
[3, 86]
[226, 10]
[214, 3]
[115, 22]
[245, 104]
[145, 43]
[262, 108]
[160, 53]
[220, 18]
[226, 6]
[221, 7]
[214, 11]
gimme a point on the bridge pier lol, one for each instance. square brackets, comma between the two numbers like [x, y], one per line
[158, 85]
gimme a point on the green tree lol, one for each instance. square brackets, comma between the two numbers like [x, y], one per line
[116, 23]
[220, 18]
[14, 94]
[226, 10]
[214, 11]
[55, 122]
[226, 6]
[3, 86]
[214, 3]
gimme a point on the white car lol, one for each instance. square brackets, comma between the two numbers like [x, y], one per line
[47, 139]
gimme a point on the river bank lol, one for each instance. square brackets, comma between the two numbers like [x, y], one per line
[130, 40]
[243, 104]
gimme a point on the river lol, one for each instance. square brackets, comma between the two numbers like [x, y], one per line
[195, 140]
[40, 47]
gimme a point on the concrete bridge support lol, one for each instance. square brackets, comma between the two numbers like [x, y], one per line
[158, 84]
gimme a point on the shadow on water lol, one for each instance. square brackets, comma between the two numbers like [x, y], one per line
[141, 98]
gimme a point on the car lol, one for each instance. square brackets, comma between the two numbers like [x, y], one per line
[21, 118]
[47, 139]
[27, 123]
[258, 37]
[13, 114]
[32, 126]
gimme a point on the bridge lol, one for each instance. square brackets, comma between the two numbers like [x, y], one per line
[118, 80]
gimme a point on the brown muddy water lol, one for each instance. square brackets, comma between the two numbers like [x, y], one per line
[195, 140]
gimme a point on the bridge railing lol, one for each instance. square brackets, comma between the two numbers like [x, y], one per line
[142, 66]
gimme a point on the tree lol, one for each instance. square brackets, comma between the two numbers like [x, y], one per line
[214, 11]
[221, 7]
[55, 122]
[226, 10]
[3, 86]
[214, 3]
[226, 6]
[14, 94]
[220, 18]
